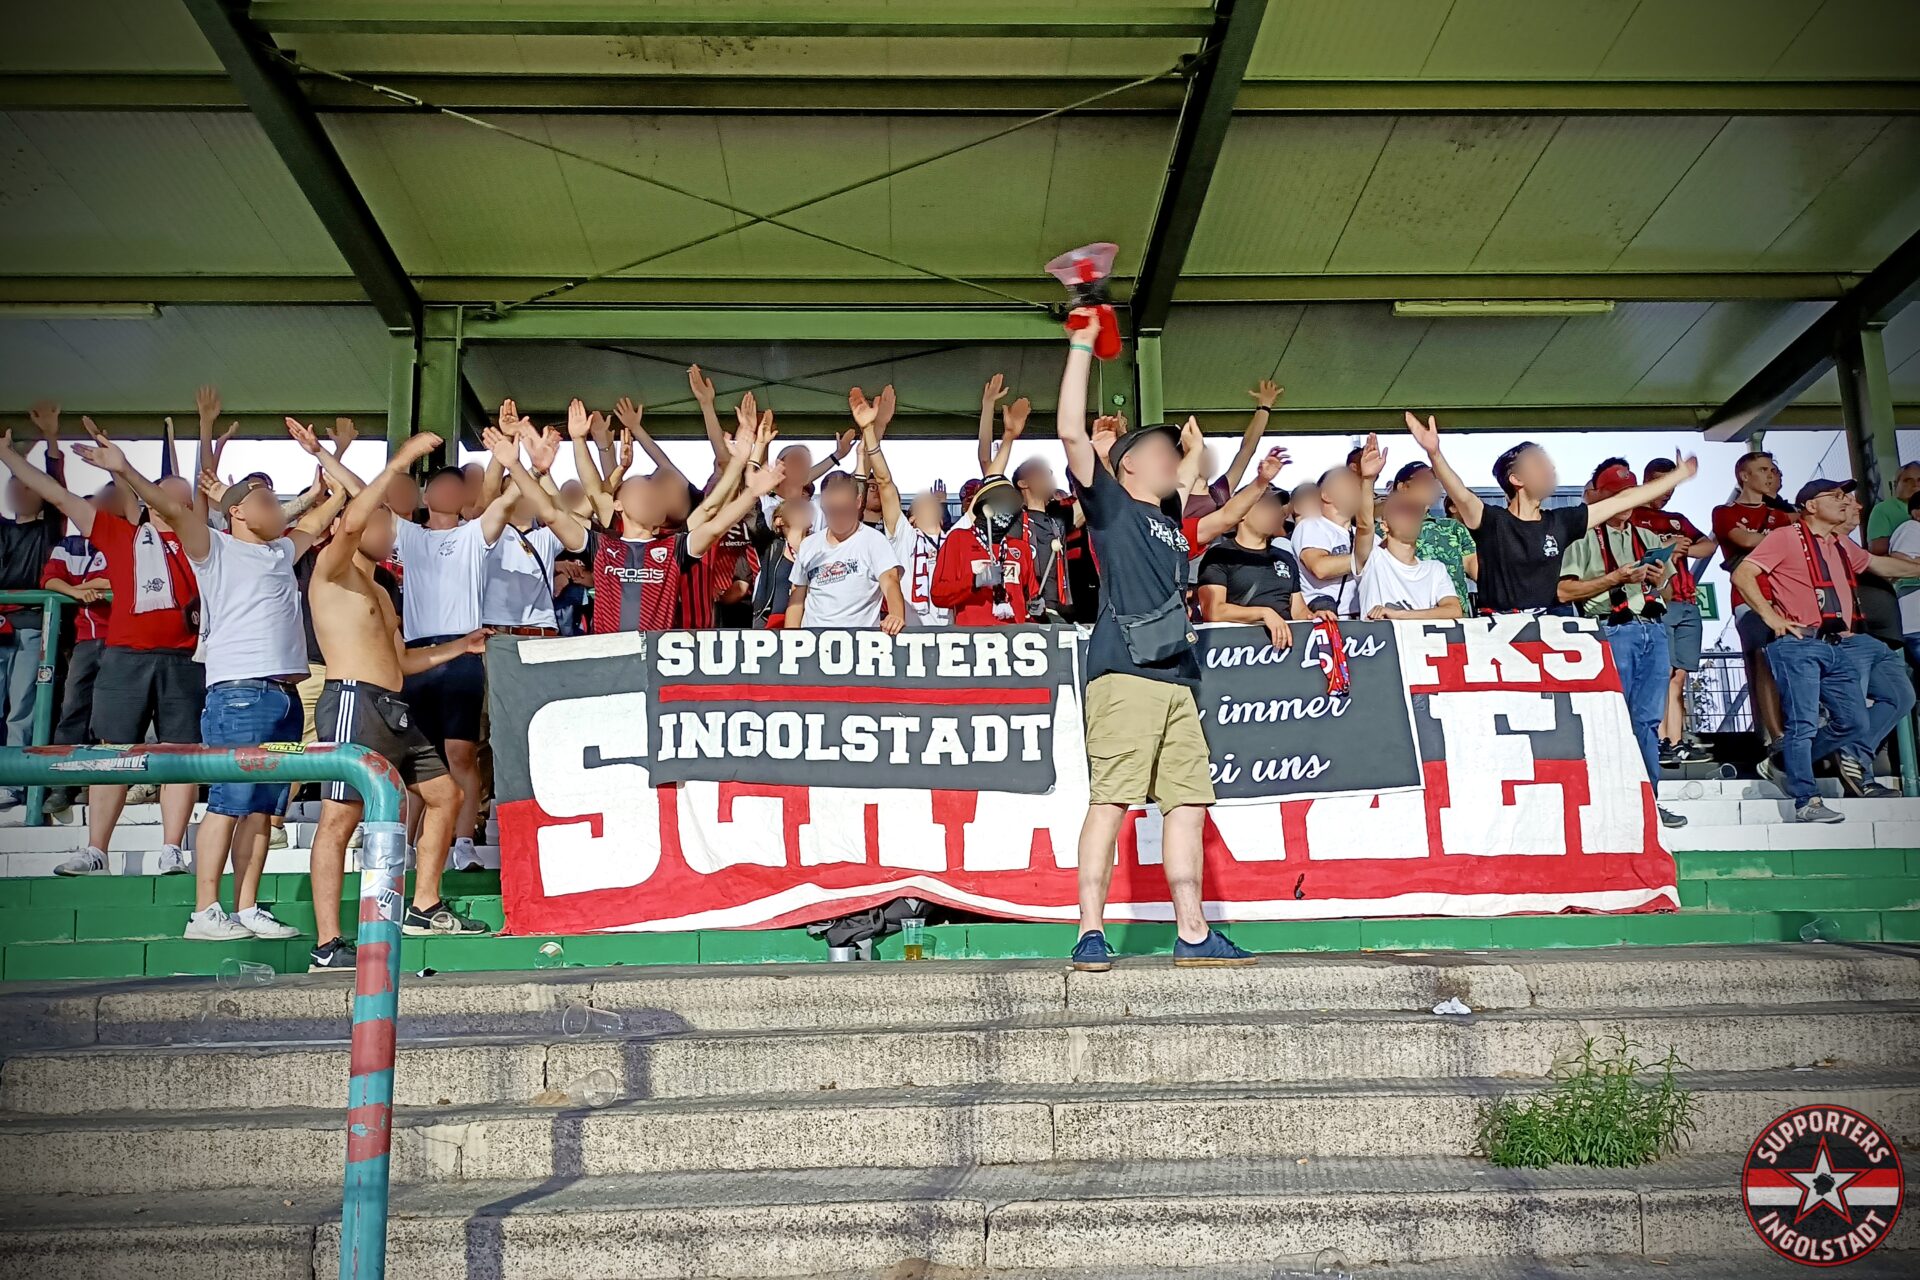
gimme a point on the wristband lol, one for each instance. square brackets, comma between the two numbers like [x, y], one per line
[1080, 346]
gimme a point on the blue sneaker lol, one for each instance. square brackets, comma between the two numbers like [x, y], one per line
[1092, 954]
[1216, 950]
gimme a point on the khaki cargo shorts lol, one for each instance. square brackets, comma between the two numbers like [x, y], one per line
[1144, 742]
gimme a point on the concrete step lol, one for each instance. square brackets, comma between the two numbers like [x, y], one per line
[1053, 1219]
[1854, 833]
[985, 1125]
[1746, 788]
[807, 997]
[1246, 1048]
[1754, 813]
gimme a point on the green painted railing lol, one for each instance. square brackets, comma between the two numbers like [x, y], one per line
[383, 864]
[50, 604]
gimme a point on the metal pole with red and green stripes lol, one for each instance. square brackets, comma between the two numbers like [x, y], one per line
[363, 1213]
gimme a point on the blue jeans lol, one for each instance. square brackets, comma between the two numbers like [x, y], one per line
[245, 713]
[19, 669]
[1640, 655]
[1812, 673]
[1883, 674]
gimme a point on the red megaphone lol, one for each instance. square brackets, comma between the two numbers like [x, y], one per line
[1084, 272]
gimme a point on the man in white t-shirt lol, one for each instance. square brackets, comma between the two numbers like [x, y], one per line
[846, 575]
[1905, 541]
[1394, 581]
[1323, 544]
[516, 597]
[254, 646]
[446, 569]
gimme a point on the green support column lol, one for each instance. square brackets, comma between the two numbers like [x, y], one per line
[1150, 400]
[1866, 407]
[439, 393]
[401, 388]
[1114, 385]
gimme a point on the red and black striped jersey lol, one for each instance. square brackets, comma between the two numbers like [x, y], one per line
[650, 584]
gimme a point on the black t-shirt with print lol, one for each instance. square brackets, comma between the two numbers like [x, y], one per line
[1520, 559]
[1143, 564]
[1265, 578]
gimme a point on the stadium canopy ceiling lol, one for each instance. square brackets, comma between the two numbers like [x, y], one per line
[1279, 176]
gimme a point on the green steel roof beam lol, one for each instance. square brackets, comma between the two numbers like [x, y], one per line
[741, 18]
[968, 95]
[741, 324]
[1204, 122]
[1869, 304]
[296, 135]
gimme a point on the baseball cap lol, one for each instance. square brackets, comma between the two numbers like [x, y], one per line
[1814, 488]
[1614, 479]
[239, 491]
[1135, 436]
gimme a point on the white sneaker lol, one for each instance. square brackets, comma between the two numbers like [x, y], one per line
[88, 862]
[215, 925]
[174, 860]
[260, 923]
[464, 857]
[143, 793]
[277, 837]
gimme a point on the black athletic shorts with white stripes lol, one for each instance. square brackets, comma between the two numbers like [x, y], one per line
[377, 718]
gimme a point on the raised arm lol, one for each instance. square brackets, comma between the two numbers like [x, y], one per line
[506, 454]
[990, 395]
[207, 401]
[758, 485]
[336, 471]
[1373, 460]
[1235, 509]
[1465, 501]
[1070, 412]
[339, 550]
[1193, 453]
[842, 446]
[1598, 513]
[706, 525]
[590, 478]
[1264, 396]
[702, 388]
[51, 491]
[866, 416]
[312, 526]
[45, 416]
[189, 521]
[629, 414]
[1013, 420]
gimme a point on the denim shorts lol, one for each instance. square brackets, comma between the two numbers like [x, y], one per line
[245, 713]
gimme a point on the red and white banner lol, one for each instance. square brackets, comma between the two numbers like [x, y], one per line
[1533, 797]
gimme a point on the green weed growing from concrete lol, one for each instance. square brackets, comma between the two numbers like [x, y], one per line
[1606, 1107]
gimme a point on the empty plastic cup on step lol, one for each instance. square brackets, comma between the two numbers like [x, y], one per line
[1820, 929]
[913, 938]
[551, 955]
[1315, 1262]
[1692, 791]
[234, 973]
[581, 1019]
[596, 1089]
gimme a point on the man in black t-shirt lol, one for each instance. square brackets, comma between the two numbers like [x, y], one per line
[1144, 740]
[1245, 578]
[1521, 544]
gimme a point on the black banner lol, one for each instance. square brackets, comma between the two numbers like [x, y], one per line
[1273, 730]
[964, 709]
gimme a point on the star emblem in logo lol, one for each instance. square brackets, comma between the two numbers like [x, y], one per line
[1823, 1185]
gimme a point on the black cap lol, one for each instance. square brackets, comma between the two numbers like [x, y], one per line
[1408, 472]
[1814, 488]
[1138, 434]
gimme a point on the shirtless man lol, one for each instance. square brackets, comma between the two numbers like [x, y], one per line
[367, 662]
